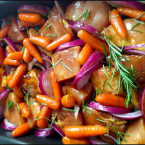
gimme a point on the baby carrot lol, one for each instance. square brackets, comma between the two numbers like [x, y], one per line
[112, 100]
[16, 89]
[9, 49]
[67, 101]
[55, 86]
[63, 39]
[18, 74]
[21, 130]
[50, 102]
[1, 75]
[4, 31]
[84, 131]
[8, 61]
[29, 17]
[85, 53]
[16, 55]
[25, 110]
[32, 50]
[27, 57]
[41, 22]
[45, 111]
[41, 41]
[118, 24]
[133, 13]
[2, 57]
[93, 41]
[66, 140]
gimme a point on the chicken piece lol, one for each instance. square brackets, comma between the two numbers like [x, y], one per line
[98, 16]
[99, 77]
[35, 110]
[13, 115]
[133, 37]
[138, 63]
[15, 34]
[30, 81]
[136, 99]
[113, 122]
[19, 46]
[69, 58]
[58, 27]
[66, 118]
[32, 32]
[136, 130]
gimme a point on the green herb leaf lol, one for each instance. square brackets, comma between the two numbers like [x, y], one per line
[89, 112]
[103, 35]
[9, 88]
[47, 27]
[137, 31]
[104, 49]
[135, 25]
[140, 22]
[10, 105]
[27, 30]
[67, 96]
[18, 108]
[56, 63]
[53, 120]
[44, 15]
[38, 118]
[139, 15]
[106, 72]
[31, 103]
[27, 97]
[22, 49]
[43, 103]
[7, 68]
[66, 66]
[21, 92]
[115, 17]
[102, 87]
[70, 110]
[80, 16]
[110, 86]
[51, 35]
[49, 13]
[109, 15]
[87, 14]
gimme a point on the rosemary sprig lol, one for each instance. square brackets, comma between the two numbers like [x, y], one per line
[22, 49]
[66, 66]
[106, 72]
[104, 49]
[38, 118]
[140, 22]
[43, 103]
[139, 15]
[53, 120]
[70, 110]
[49, 13]
[110, 86]
[7, 68]
[137, 31]
[67, 97]
[87, 14]
[109, 15]
[115, 17]
[56, 63]
[47, 27]
[135, 26]
[84, 108]
[80, 16]
[102, 86]
[51, 35]
[10, 105]
[103, 35]
[18, 108]
[27, 30]
[105, 122]
[21, 92]
[31, 103]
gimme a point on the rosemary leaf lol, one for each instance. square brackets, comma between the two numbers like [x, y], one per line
[66, 66]
[56, 63]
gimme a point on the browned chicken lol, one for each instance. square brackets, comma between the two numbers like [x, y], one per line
[15, 34]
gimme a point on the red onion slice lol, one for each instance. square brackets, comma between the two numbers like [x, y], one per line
[58, 130]
[133, 51]
[9, 42]
[65, 46]
[31, 64]
[116, 110]
[142, 103]
[96, 140]
[23, 89]
[128, 4]
[21, 28]
[3, 97]
[46, 58]
[115, 140]
[128, 116]
[76, 26]
[94, 62]
[44, 132]
[133, 47]
[8, 126]
[39, 65]
[33, 8]
[45, 83]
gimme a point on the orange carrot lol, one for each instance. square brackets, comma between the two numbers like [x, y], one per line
[16, 55]
[55, 86]
[18, 74]
[93, 41]
[25, 110]
[66, 140]
[4, 31]
[9, 49]
[2, 57]
[133, 13]
[85, 53]
[1, 75]
[50, 102]
[84, 131]
[21, 130]
[29, 17]
[41, 22]
[16, 89]
[67, 101]
[63, 39]
[8, 61]
[27, 57]
[45, 111]
[112, 100]
[41, 41]
[118, 24]
[32, 50]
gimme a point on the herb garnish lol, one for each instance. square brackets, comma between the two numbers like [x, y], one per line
[105, 122]
[110, 86]
[103, 35]
[104, 49]
[80, 16]
[21, 92]
[51, 35]
[109, 15]
[67, 97]
[18, 108]
[115, 16]
[102, 86]
[137, 31]
[85, 106]
[106, 72]
[22, 49]
[56, 62]
[31, 103]
[87, 14]
[47, 27]
[66, 66]
[139, 15]
[70, 110]
[27, 30]
[10, 105]
[38, 118]
[49, 13]
[7, 68]
[135, 25]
